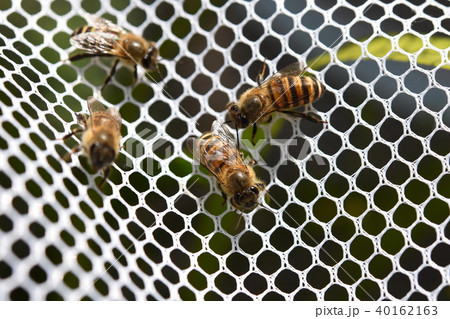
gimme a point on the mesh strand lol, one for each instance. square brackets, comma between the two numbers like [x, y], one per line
[362, 202]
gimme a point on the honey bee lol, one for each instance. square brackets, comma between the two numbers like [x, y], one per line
[281, 92]
[100, 141]
[218, 153]
[104, 38]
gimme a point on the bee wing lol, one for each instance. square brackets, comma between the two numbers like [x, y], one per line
[192, 145]
[114, 112]
[96, 42]
[222, 131]
[228, 154]
[229, 151]
[94, 105]
[292, 69]
[103, 24]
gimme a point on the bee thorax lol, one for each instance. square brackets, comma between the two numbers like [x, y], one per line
[251, 107]
[134, 48]
[238, 180]
[104, 137]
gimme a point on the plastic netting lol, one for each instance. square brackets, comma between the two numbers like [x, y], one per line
[362, 203]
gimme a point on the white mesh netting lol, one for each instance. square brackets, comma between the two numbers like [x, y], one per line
[362, 202]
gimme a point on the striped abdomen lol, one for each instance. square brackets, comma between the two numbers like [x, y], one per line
[291, 91]
[218, 156]
[83, 29]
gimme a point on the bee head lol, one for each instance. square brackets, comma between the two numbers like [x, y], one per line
[239, 119]
[101, 155]
[150, 57]
[246, 200]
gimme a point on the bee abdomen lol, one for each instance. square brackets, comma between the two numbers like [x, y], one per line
[291, 91]
[215, 153]
[312, 89]
[277, 90]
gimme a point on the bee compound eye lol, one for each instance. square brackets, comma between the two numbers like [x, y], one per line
[232, 107]
[244, 121]
[254, 189]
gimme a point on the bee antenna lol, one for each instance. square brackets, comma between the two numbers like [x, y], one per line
[159, 73]
[229, 121]
[239, 221]
[268, 208]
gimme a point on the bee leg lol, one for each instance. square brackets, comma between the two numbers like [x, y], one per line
[260, 76]
[74, 150]
[237, 138]
[255, 129]
[135, 73]
[105, 176]
[223, 195]
[110, 75]
[239, 221]
[75, 131]
[261, 186]
[82, 119]
[85, 55]
[309, 117]
[159, 72]
[224, 198]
